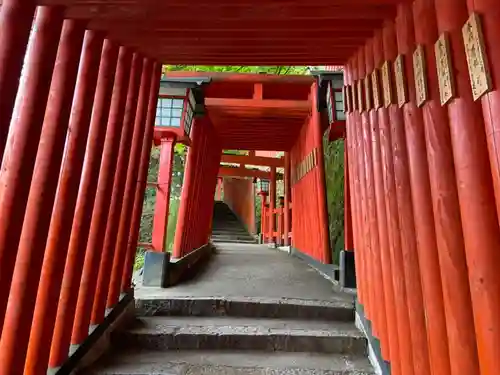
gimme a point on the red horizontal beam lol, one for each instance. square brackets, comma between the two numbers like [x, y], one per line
[246, 77]
[270, 11]
[258, 146]
[303, 105]
[244, 172]
[247, 34]
[143, 5]
[252, 160]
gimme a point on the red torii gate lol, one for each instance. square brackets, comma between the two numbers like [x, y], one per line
[249, 112]
[423, 157]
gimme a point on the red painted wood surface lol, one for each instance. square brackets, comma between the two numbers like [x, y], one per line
[239, 195]
[418, 169]
[365, 64]
[287, 220]
[397, 261]
[64, 208]
[406, 221]
[381, 227]
[197, 197]
[160, 221]
[22, 144]
[489, 12]
[253, 160]
[16, 19]
[133, 236]
[118, 136]
[29, 261]
[271, 224]
[355, 199]
[85, 202]
[446, 207]
[475, 191]
[309, 230]
[364, 226]
[115, 248]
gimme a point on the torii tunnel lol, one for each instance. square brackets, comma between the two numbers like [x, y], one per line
[79, 87]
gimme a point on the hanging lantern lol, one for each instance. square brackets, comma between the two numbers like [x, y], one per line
[335, 99]
[263, 186]
[179, 102]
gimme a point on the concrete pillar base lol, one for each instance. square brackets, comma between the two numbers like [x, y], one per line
[155, 269]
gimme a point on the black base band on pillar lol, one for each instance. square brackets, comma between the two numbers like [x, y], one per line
[375, 353]
[155, 269]
[330, 271]
[347, 269]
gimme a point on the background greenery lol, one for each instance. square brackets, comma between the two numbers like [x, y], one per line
[334, 167]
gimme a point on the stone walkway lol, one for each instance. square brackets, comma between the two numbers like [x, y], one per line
[252, 271]
[252, 311]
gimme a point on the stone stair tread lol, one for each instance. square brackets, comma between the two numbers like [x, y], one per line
[227, 240]
[224, 325]
[255, 307]
[137, 362]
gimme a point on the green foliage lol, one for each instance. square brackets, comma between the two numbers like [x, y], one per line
[334, 174]
[146, 226]
[239, 69]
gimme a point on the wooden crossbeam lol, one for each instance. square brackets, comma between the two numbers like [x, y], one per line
[244, 172]
[253, 160]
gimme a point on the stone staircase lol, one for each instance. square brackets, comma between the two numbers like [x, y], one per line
[226, 226]
[238, 336]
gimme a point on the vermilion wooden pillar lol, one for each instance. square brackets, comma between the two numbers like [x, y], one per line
[391, 206]
[160, 222]
[189, 171]
[475, 191]
[85, 202]
[385, 254]
[369, 298]
[121, 204]
[22, 144]
[348, 235]
[126, 275]
[272, 205]
[406, 221]
[41, 200]
[64, 208]
[447, 222]
[320, 178]
[263, 226]
[418, 169]
[489, 12]
[380, 316]
[352, 160]
[16, 18]
[287, 214]
[118, 137]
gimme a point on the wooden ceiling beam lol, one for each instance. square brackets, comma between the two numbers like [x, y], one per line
[258, 104]
[244, 172]
[270, 11]
[253, 160]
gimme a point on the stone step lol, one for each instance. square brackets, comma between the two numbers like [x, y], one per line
[230, 231]
[249, 307]
[231, 333]
[225, 226]
[229, 363]
[222, 237]
[215, 240]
